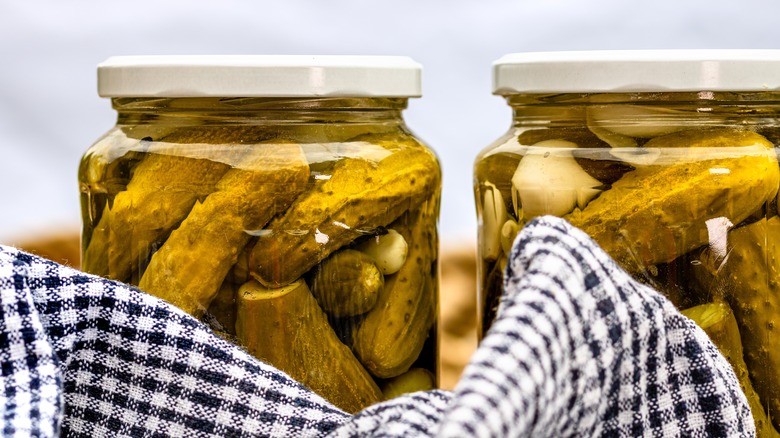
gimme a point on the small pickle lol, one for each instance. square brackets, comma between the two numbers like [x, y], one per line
[656, 213]
[189, 268]
[347, 283]
[285, 327]
[359, 196]
[392, 334]
[748, 282]
[416, 379]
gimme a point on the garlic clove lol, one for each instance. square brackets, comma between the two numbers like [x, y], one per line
[389, 251]
[549, 180]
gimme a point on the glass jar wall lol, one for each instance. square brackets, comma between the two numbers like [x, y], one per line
[677, 180]
[303, 228]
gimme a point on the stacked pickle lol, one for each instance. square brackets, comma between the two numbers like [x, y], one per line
[314, 248]
[687, 208]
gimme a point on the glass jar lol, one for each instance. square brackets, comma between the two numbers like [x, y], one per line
[281, 200]
[668, 159]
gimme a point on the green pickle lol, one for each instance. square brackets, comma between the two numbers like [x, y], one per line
[753, 257]
[294, 335]
[293, 235]
[684, 202]
[347, 283]
[416, 379]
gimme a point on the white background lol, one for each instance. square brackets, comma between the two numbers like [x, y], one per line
[50, 112]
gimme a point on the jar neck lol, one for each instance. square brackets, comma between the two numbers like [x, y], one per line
[699, 108]
[256, 110]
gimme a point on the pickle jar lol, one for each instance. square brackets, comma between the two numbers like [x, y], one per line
[283, 201]
[668, 160]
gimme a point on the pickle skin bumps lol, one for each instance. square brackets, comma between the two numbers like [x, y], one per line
[191, 265]
[748, 281]
[360, 195]
[173, 173]
[656, 213]
[391, 335]
[347, 283]
[153, 204]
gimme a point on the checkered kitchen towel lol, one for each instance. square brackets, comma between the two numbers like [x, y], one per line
[578, 349]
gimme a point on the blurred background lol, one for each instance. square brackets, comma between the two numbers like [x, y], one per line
[50, 112]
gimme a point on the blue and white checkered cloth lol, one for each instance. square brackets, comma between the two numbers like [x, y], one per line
[578, 349]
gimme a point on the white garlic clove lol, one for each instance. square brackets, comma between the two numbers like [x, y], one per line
[549, 180]
[389, 251]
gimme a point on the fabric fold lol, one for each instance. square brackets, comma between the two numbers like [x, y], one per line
[578, 349]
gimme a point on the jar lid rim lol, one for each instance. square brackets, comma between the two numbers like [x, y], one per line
[622, 71]
[259, 76]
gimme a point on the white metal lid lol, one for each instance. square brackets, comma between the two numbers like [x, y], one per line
[637, 71]
[259, 76]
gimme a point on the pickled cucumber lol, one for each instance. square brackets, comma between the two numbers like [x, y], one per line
[392, 334]
[748, 280]
[416, 379]
[191, 265]
[347, 283]
[718, 322]
[358, 197]
[140, 216]
[286, 328]
[656, 213]
[176, 172]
